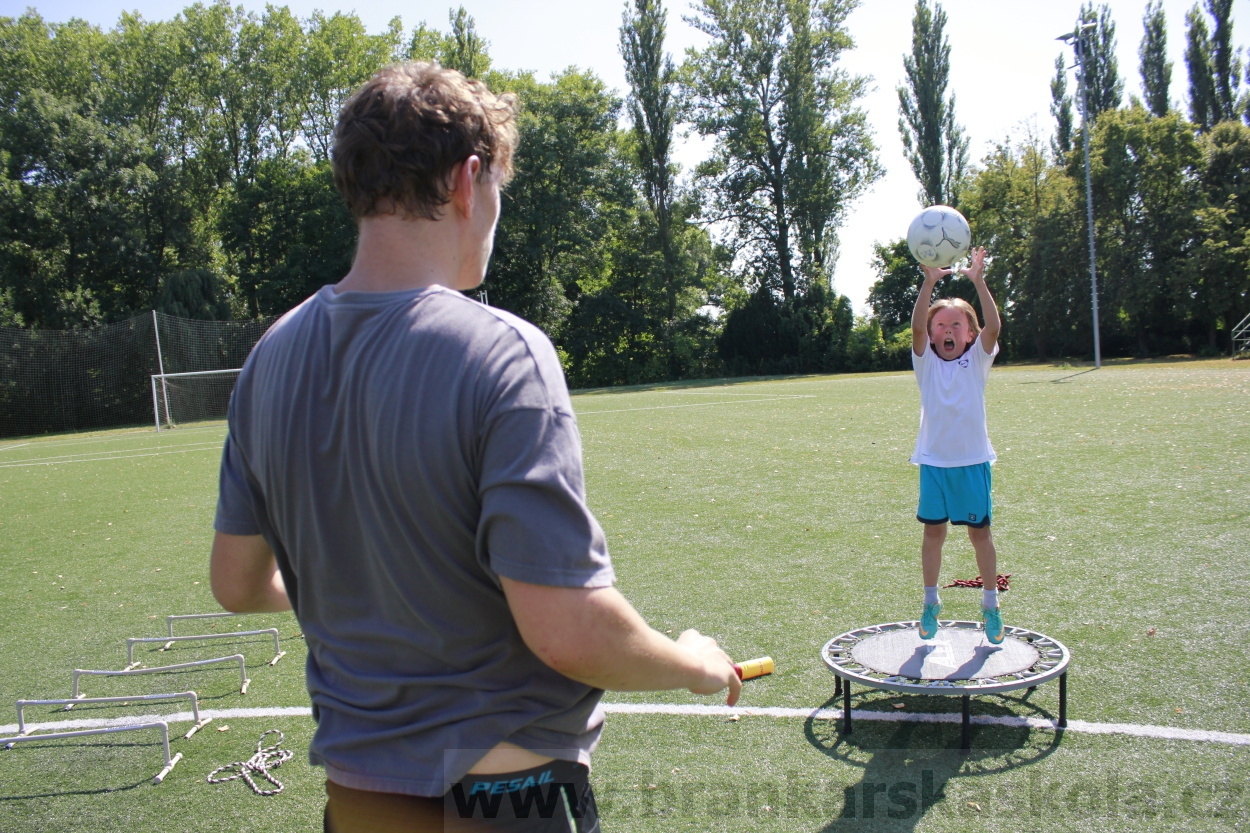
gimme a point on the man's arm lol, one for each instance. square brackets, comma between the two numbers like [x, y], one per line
[244, 575]
[920, 313]
[594, 636]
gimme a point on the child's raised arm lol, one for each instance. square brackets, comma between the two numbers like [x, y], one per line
[920, 314]
[989, 310]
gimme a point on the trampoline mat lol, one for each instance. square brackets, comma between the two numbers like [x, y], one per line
[954, 654]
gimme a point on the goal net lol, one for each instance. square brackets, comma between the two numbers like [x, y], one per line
[101, 377]
[182, 398]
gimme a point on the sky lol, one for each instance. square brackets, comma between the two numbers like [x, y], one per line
[1002, 60]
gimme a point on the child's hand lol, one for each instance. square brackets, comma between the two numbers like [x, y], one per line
[933, 274]
[976, 268]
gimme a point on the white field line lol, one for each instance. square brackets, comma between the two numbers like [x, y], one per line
[691, 405]
[103, 456]
[116, 436]
[1081, 726]
[11, 447]
[729, 393]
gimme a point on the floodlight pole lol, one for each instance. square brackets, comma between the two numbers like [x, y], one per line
[1076, 39]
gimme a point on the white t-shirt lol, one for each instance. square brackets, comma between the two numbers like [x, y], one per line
[952, 408]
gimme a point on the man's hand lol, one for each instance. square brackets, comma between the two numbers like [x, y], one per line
[716, 663]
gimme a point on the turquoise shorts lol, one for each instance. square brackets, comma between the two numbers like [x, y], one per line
[960, 495]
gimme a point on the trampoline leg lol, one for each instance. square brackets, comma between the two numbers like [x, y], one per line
[1063, 700]
[846, 707]
[837, 685]
[965, 743]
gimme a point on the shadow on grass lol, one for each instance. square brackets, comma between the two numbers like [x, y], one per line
[91, 758]
[1062, 379]
[906, 766]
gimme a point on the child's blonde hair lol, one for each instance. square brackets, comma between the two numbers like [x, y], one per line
[959, 304]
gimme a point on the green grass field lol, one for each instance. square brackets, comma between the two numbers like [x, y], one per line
[772, 514]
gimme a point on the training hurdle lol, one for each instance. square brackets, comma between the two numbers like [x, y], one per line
[130, 672]
[170, 763]
[141, 698]
[182, 617]
[131, 641]
[958, 661]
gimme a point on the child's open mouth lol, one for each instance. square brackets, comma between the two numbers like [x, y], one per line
[948, 344]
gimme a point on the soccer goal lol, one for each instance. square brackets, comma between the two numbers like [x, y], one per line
[180, 398]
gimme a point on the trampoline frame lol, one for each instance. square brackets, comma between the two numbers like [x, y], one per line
[1052, 663]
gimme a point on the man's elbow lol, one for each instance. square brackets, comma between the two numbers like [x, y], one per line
[229, 597]
[562, 655]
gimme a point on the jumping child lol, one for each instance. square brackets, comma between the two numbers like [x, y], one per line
[951, 356]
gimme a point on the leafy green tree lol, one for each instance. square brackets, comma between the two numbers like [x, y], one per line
[1156, 69]
[652, 106]
[1103, 85]
[792, 150]
[194, 293]
[287, 232]
[340, 56]
[1216, 279]
[425, 44]
[1203, 107]
[464, 50]
[1145, 171]
[809, 333]
[1061, 109]
[893, 295]
[1025, 212]
[568, 196]
[1225, 65]
[77, 251]
[934, 144]
[1214, 68]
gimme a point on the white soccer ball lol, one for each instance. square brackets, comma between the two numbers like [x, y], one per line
[939, 236]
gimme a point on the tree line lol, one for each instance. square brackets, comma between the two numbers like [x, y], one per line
[183, 166]
[1171, 195]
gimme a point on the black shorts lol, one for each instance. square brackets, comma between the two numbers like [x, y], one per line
[552, 798]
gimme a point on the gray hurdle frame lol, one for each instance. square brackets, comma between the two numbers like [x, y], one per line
[170, 763]
[79, 672]
[179, 617]
[142, 698]
[131, 641]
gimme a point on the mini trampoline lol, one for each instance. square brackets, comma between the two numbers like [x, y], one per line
[958, 661]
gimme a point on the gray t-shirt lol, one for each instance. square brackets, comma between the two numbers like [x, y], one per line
[400, 451]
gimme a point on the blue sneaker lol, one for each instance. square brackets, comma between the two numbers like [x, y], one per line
[993, 625]
[929, 622]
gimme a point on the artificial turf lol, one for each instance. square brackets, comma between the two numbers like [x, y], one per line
[772, 514]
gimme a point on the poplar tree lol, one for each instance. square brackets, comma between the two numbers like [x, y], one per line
[463, 49]
[1061, 109]
[1103, 85]
[935, 145]
[1203, 109]
[653, 113]
[1225, 65]
[1156, 69]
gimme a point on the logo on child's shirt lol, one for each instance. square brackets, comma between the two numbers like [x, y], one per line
[962, 361]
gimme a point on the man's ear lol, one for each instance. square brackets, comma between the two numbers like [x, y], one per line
[463, 177]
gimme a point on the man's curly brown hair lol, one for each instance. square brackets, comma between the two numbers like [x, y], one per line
[399, 136]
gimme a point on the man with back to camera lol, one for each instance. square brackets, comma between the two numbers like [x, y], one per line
[403, 469]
